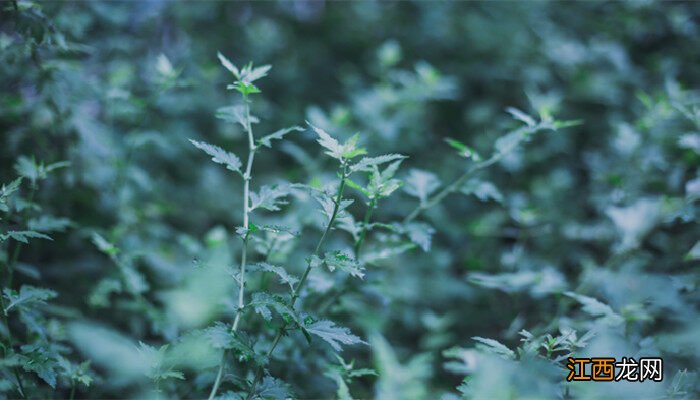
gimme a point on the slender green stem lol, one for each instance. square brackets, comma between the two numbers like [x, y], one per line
[244, 251]
[297, 290]
[365, 224]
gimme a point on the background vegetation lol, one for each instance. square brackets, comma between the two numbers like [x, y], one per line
[567, 224]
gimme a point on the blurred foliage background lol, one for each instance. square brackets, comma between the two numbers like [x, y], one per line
[583, 241]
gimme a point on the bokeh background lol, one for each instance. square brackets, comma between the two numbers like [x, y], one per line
[606, 209]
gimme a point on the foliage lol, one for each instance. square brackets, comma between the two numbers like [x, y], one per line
[447, 211]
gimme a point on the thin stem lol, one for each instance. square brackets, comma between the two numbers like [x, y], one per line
[244, 252]
[457, 183]
[365, 223]
[302, 281]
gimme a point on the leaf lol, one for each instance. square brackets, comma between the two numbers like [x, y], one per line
[272, 388]
[495, 347]
[366, 163]
[421, 184]
[219, 155]
[28, 295]
[103, 245]
[280, 272]
[269, 197]
[596, 308]
[221, 337]
[464, 150]
[483, 190]
[228, 65]
[236, 114]
[24, 236]
[521, 116]
[420, 233]
[47, 223]
[334, 149]
[262, 302]
[278, 135]
[339, 260]
[333, 335]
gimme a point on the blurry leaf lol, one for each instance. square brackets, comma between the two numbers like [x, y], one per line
[47, 223]
[23, 236]
[399, 380]
[228, 65]
[272, 388]
[219, 156]
[463, 150]
[521, 116]
[596, 308]
[421, 184]
[28, 295]
[339, 260]
[278, 135]
[332, 334]
[366, 163]
[495, 347]
[483, 190]
[420, 233]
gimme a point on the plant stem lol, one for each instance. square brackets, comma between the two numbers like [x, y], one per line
[457, 183]
[302, 281]
[244, 251]
[365, 223]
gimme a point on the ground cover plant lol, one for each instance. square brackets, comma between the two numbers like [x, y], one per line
[309, 200]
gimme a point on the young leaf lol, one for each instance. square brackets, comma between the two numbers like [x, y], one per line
[219, 155]
[421, 184]
[521, 116]
[333, 335]
[366, 163]
[464, 150]
[228, 65]
[334, 149]
[278, 135]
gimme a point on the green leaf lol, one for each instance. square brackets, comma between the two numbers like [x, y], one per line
[263, 303]
[228, 65]
[333, 335]
[421, 184]
[483, 190]
[366, 163]
[596, 308]
[27, 296]
[23, 236]
[269, 197]
[219, 155]
[272, 388]
[464, 150]
[236, 114]
[280, 272]
[495, 347]
[521, 116]
[221, 337]
[334, 149]
[339, 260]
[420, 233]
[47, 223]
[277, 135]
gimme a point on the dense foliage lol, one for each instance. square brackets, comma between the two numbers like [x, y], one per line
[417, 200]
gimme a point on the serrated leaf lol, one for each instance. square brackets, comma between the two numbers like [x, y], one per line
[24, 236]
[272, 388]
[236, 114]
[278, 135]
[219, 155]
[495, 347]
[366, 163]
[228, 65]
[263, 303]
[333, 335]
[221, 337]
[280, 272]
[334, 149]
[421, 184]
[28, 295]
[269, 197]
[596, 308]
[339, 260]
